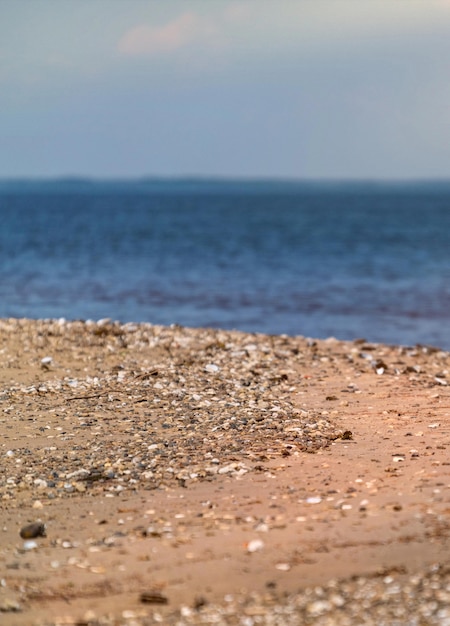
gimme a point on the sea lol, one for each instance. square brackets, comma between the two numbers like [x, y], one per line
[318, 259]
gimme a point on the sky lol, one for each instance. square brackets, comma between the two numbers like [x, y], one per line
[302, 89]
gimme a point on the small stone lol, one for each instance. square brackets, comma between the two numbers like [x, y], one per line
[255, 545]
[128, 614]
[31, 531]
[185, 611]
[46, 362]
[283, 567]
[319, 607]
[153, 597]
[337, 600]
[199, 602]
[212, 368]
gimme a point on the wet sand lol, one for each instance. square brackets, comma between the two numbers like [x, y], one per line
[211, 477]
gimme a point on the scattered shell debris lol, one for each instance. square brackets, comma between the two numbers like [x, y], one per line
[201, 389]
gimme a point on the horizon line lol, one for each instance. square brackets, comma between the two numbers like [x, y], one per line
[199, 178]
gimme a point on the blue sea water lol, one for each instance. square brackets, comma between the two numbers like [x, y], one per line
[349, 260]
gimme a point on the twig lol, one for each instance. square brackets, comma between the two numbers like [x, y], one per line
[96, 395]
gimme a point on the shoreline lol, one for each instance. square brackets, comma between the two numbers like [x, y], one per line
[64, 322]
[186, 475]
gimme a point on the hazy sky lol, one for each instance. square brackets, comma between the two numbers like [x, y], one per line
[278, 88]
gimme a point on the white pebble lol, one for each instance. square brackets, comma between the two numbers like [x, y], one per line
[186, 611]
[40, 483]
[254, 545]
[283, 567]
[318, 607]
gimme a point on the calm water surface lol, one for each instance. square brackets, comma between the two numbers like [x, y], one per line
[347, 261]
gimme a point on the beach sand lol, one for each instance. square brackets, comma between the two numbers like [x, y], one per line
[196, 476]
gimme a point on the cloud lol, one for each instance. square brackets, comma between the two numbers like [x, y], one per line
[185, 30]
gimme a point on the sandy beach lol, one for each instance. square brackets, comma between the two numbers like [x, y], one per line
[165, 475]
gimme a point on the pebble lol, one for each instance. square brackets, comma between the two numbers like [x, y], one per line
[212, 368]
[153, 597]
[283, 567]
[313, 500]
[31, 531]
[254, 545]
